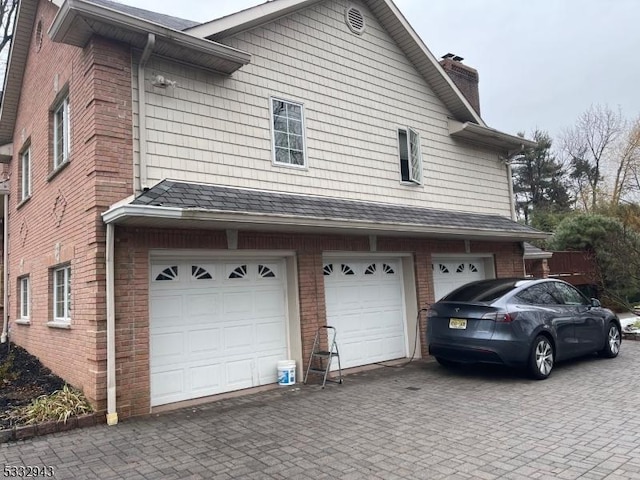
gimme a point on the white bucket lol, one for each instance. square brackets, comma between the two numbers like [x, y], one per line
[286, 372]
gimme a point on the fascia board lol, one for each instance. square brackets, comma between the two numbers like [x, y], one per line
[121, 213]
[248, 18]
[470, 131]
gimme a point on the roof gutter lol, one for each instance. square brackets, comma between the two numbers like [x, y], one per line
[133, 213]
[472, 132]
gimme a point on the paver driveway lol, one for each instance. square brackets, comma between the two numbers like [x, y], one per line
[420, 421]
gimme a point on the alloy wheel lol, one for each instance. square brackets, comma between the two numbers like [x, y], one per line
[544, 357]
[614, 339]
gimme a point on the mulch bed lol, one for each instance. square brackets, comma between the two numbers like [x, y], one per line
[22, 379]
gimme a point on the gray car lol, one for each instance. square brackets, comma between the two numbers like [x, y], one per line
[520, 323]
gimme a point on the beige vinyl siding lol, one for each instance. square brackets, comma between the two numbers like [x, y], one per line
[356, 91]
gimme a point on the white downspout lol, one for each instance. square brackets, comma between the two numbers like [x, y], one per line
[5, 271]
[512, 200]
[142, 114]
[112, 413]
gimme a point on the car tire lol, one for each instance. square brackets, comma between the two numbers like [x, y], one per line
[447, 363]
[612, 342]
[541, 358]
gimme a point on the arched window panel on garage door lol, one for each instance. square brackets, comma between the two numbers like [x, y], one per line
[165, 273]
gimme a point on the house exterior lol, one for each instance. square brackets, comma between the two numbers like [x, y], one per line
[187, 203]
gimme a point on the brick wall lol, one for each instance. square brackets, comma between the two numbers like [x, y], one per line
[132, 287]
[60, 223]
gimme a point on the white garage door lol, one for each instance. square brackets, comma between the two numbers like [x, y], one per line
[215, 326]
[450, 274]
[365, 303]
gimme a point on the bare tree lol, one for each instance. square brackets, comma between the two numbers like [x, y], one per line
[7, 13]
[626, 161]
[587, 146]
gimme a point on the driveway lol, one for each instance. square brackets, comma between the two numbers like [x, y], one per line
[420, 421]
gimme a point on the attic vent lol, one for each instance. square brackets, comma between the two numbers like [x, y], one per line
[355, 20]
[38, 36]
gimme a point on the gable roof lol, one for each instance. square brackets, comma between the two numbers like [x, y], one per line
[389, 17]
[194, 203]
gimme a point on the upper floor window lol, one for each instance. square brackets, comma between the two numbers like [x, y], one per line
[62, 294]
[410, 157]
[25, 174]
[61, 132]
[287, 121]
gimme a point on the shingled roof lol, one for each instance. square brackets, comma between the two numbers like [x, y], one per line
[158, 18]
[213, 198]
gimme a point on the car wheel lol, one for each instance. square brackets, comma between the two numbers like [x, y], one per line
[612, 342]
[541, 358]
[447, 363]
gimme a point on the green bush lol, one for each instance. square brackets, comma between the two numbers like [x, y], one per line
[58, 406]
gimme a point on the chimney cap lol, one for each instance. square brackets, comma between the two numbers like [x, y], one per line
[453, 56]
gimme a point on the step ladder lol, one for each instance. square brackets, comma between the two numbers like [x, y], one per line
[320, 360]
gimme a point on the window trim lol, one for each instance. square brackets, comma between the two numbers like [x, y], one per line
[24, 285]
[413, 155]
[65, 319]
[61, 105]
[274, 160]
[25, 180]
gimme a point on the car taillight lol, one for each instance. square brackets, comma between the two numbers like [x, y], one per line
[505, 317]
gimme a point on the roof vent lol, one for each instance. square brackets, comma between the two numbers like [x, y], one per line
[355, 20]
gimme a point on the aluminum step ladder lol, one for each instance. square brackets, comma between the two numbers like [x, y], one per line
[320, 360]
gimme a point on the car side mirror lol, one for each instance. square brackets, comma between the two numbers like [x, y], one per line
[595, 303]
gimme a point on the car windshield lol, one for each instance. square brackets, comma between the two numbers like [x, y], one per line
[484, 292]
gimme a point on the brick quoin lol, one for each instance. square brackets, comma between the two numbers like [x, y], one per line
[60, 223]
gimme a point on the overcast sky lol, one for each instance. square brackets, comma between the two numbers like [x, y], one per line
[541, 63]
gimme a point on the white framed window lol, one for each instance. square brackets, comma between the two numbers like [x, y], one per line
[287, 130]
[62, 294]
[61, 132]
[25, 298]
[25, 174]
[410, 156]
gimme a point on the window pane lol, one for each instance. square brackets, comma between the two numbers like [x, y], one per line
[294, 111]
[59, 293]
[403, 149]
[414, 156]
[24, 307]
[280, 124]
[295, 142]
[282, 155]
[295, 126]
[279, 108]
[297, 158]
[282, 140]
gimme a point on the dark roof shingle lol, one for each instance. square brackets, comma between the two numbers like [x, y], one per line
[169, 193]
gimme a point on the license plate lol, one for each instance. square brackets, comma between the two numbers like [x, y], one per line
[458, 323]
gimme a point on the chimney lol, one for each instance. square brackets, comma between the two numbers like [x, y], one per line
[465, 78]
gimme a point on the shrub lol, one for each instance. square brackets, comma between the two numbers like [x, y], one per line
[58, 406]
